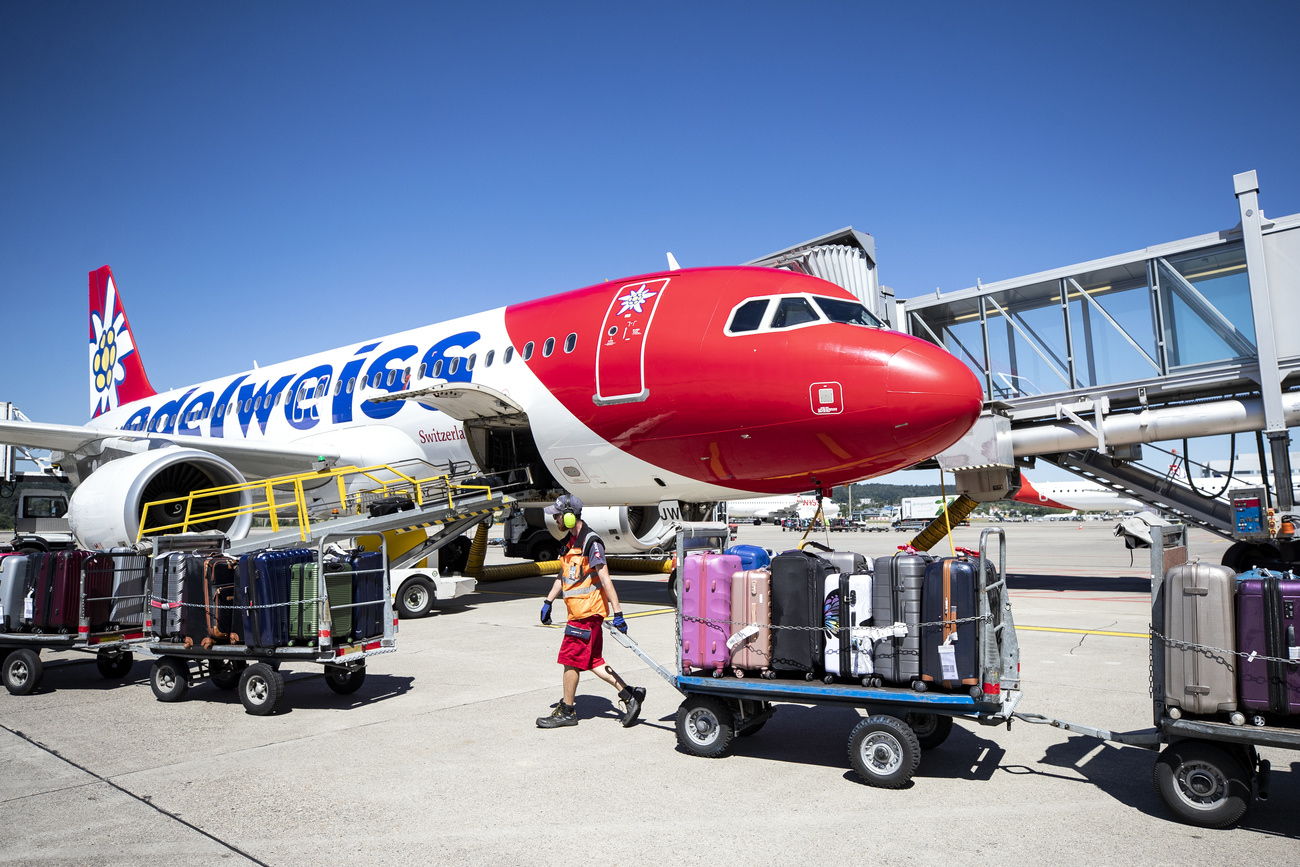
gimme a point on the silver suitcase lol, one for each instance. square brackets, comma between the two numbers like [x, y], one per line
[1199, 610]
[15, 587]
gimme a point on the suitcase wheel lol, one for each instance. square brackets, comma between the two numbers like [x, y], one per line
[808, 677]
[740, 673]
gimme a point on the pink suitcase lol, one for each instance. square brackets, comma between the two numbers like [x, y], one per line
[751, 605]
[706, 610]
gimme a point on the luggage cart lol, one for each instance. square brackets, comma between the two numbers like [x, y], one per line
[1208, 771]
[21, 666]
[885, 747]
[254, 671]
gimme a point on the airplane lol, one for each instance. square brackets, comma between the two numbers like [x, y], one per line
[689, 386]
[775, 508]
[1077, 496]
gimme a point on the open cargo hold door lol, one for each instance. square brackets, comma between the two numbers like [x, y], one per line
[496, 428]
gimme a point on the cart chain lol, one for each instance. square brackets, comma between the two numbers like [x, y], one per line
[1209, 652]
[156, 602]
[835, 630]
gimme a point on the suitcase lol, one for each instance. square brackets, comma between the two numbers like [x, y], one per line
[58, 593]
[194, 600]
[164, 617]
[256, 596]
[706, 610]
[844, 561]
[947, 596]
[367, 596]
[1267, 623]
[1198, 609]
[391, 506]
[98, 602]
[896, 598]
[219, 576]
[129, 593]
[798, 578]
[15, 591]
[751, 556]
[304, 607]
[751, 606]
[847, 604]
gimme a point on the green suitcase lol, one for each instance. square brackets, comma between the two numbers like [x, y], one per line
[304, 617]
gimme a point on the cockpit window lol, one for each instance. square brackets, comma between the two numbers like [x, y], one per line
[749, 316]
[793, 311]
[848, 312]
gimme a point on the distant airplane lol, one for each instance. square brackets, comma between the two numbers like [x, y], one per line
[775, 508]
[1078, 496]
[688, 386]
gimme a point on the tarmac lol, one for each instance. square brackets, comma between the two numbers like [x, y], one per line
[437, 759]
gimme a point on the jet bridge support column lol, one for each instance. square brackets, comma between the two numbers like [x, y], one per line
[1246, 186]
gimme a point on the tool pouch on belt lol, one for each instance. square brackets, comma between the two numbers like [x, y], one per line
[582, 633]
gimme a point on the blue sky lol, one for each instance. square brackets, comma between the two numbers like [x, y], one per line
[269, 180]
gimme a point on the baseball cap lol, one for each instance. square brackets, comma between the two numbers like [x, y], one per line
[565, 502]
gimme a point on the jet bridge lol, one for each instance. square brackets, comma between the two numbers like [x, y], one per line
[1086, 363]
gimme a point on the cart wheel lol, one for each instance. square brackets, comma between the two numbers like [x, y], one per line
[415, 598]
[884, 751]
[704, 727]
[114, 666]
[22, 671]
[225, 673]
[1202, 784]
[170, 679]
[345, 681]
[260, 688]
[931, 729]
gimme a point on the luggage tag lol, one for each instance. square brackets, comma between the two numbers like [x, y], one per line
[740, 637]
[579, 632]
[28, 612]
[948, 658]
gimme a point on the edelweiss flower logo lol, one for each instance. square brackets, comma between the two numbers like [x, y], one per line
[111, 344]
[636, 299]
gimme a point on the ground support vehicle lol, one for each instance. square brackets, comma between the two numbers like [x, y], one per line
[22, 670]
[885, 748]
[254, 671]
[1209, 770]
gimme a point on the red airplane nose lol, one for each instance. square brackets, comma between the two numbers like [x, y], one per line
[933, 399]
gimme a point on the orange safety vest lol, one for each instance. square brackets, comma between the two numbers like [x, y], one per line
[579, 582]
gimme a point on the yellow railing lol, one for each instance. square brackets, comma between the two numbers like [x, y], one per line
[419, 489]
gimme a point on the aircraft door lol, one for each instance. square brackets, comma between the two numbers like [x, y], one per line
[620, 353]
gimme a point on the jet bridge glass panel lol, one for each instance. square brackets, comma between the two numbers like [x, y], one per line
[956, 326]
[1028, 353]
[1113, 325]
[1205, 298]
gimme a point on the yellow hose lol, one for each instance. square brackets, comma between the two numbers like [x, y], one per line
[956, 512]
[477, 550]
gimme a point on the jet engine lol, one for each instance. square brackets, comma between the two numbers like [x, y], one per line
[632, 529]
[104, 511]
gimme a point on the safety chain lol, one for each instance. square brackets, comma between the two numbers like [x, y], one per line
[156, 602]
[1209, 652]
[834, 630]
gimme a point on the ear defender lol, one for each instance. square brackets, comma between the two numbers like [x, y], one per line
[570, 520]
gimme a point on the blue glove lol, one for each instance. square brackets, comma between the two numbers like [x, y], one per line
[619, 623]
[546, 613]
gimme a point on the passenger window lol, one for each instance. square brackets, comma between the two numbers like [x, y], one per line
[351, 384]
[510, 353]
[528, 350]
[338, 387]
[406, 375]
[748, 316]
[379, 377]
[437, 368]
[278, 396]
[548, 347]
[848, 312]
[221, 410]
[469, 365]
[420, 373]
[570, 342]
[454, 366]
[793, 311]
[392, 377]
[487, 361]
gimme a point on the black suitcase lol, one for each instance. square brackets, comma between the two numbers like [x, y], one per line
[194, 600]
[798, 586]
[948, 596]
[391, 506]
[367, 594]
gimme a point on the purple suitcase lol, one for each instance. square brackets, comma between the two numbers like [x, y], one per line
[58, 593]
[706, 610]
[1267, 623]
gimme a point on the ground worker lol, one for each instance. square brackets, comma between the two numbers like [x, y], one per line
[589, 596]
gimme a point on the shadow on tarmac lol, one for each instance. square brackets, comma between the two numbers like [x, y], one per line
[1126, 774]
[1083, 583]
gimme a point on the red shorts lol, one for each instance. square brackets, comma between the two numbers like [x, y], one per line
[584, 655]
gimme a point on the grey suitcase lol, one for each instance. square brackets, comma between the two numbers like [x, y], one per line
[15, 588]
[896, 597]
[848, 562]
[1199, 610]
[165, 583]
[130, 574]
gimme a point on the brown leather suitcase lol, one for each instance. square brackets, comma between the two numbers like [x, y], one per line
[219, 574]
[751, 603]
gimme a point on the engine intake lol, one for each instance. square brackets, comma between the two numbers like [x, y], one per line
[104, 511]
